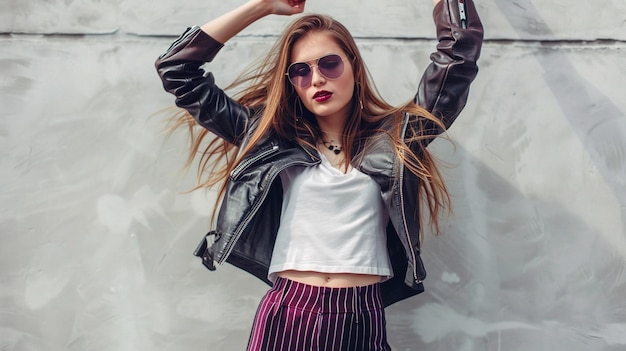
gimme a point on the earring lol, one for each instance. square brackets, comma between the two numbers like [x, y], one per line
[298, 106]
[357, 88]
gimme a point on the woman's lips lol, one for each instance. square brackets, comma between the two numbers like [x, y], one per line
[322, 96]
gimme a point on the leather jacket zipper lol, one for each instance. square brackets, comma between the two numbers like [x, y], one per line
[462, 15]
[406, 229]
[246, 163]
[231, 244]
[182, 37]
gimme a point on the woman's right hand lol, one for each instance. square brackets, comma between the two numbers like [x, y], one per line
[283, 7]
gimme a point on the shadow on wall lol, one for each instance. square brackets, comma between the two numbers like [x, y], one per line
[513, 273]
[599, 124]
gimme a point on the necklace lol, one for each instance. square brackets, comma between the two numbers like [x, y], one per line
[336, 148]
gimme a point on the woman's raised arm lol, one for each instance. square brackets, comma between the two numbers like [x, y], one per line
[228, 25]
[181, 72]
[445, 84]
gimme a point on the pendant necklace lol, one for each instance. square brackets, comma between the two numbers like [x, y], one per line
[336, 148]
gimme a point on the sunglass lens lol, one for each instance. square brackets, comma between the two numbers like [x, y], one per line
[331, 66]
[300, 74]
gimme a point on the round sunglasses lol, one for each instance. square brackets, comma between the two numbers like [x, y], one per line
[300, 74]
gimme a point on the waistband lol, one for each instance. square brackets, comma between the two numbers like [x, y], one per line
[322, 299]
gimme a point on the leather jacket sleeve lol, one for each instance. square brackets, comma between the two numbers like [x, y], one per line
[181, 72]
[444, 86]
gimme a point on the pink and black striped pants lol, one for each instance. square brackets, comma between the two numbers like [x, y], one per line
[298, 317]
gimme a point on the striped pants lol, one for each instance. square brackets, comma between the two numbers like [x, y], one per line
[299, 317]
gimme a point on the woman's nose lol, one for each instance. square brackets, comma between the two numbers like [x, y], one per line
[317, 78]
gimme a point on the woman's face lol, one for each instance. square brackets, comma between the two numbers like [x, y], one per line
[328, 98]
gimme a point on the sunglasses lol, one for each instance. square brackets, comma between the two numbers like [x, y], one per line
[300, 74]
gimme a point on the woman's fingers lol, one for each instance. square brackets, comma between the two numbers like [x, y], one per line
[287, 7]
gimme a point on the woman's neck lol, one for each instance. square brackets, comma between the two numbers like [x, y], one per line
[332, 128]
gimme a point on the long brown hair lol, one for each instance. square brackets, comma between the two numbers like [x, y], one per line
[268, 90]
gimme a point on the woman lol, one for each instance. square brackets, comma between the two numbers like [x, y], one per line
[319, 176]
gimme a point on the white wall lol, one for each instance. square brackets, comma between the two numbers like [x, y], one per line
[96, 236]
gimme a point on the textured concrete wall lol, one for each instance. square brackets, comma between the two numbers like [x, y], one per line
[96, 237]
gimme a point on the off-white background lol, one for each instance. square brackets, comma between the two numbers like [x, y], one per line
[96, 237]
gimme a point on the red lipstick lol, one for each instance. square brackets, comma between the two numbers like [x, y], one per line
[322, 96]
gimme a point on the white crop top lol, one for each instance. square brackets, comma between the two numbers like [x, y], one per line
[331, 222]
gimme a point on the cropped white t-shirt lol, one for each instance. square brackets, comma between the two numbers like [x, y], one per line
[331, 222]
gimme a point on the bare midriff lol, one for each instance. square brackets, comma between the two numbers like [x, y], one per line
[330, 280]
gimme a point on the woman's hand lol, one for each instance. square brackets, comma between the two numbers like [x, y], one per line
[283, 7]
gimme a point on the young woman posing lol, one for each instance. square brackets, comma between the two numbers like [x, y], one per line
[320, 177]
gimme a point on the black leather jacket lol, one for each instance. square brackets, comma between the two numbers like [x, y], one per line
[250, 212]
